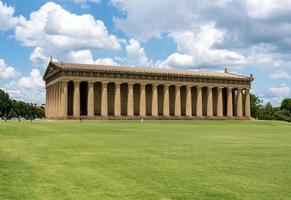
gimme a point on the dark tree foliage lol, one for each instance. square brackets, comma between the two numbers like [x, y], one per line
[256, 104]
[286, 104]
[10, 108]
[268, 112]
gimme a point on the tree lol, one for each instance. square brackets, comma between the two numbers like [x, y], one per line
[286, 104]
[256, 104]
[266, 112]
[13, 108]
[4, 103]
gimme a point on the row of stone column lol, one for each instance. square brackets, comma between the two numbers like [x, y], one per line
[57, 101]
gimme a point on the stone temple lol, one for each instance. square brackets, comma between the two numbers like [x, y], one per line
[88, 91]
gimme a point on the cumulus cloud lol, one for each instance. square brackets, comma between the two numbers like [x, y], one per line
[53, 30]
[266, 58]
[7, 71]
[7, 19]
[135, 54]
[197, 49]
[34, 80]
[266, 8]
[240, 27]
[85, 56]
[276, 94]
[27, 88]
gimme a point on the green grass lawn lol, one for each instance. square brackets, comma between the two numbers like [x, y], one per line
[151, 160]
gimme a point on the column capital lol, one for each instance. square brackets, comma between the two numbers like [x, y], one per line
[210, 87]
[64, 81]
[229, 88]
[104, 82]
[91, 82]
[118, 83]
[199, 86]
[178, 85]
[143, 84]
[155, 84]
[76, 81]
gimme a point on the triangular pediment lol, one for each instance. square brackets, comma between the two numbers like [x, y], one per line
[49, 70]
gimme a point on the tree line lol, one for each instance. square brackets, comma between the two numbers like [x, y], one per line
[10, 108]
[268, 112]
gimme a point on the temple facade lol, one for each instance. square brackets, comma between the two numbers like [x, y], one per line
[76, 91]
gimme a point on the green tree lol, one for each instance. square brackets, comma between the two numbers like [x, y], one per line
[286, 104]
[256, 104]
[5, 103]
[266, 112]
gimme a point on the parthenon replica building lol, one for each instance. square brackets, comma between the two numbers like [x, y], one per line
[76, 91]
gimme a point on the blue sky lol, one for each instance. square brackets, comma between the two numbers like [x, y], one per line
[246, 36]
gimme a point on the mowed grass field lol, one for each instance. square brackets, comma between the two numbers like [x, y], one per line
[151, 160]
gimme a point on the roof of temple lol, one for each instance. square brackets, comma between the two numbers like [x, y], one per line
[145, 70]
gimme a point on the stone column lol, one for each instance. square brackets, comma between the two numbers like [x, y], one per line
[247, 104]
[142, 102]
[219, 102]
[209, 102]
[76, 101]
[177, 101]
[166, 105]
[104, 104]
[155, 100]
[188, 101]
[64, 99]
[57, 99]
[50, 101]
[229, 102]
[53, 100]
[46, 103]
[199, 102]
[117, 100]
[239, 102]
[90, 104]
[130, 100]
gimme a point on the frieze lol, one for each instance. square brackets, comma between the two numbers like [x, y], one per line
[149, 77]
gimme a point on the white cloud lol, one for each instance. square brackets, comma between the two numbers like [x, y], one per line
[82, 56]
[135, 54]
[105, 61]
[146, 19]
[177, 60]
[54, 31]
[262, 9]
[27, 88]
[277, 94]
[197, 49]
[280, 75]
[265, 58]
[7, 71]
[7, 20]
[33, 81]
[85, 56]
